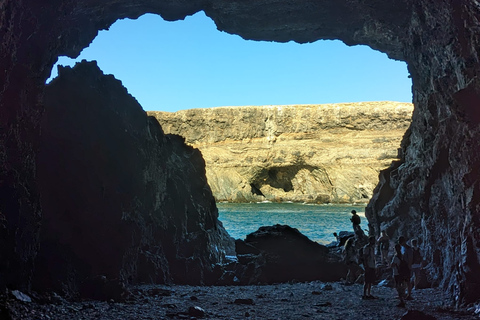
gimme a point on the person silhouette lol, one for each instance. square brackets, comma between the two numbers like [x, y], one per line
[351, 260]
[355, 219]
[369, 266]
[384, 242]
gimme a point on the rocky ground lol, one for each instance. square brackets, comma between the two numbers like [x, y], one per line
[311, 300]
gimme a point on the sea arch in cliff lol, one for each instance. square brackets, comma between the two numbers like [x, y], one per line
[434, 185]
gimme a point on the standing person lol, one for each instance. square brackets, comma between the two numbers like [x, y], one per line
[407, 253]
[416, 263]
[384, 242]
[350, 256]
[369, 265]
[400, 280]
[355, 219]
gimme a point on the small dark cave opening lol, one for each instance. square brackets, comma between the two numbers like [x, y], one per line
[256, 190]
[277, 177]
[281, 178]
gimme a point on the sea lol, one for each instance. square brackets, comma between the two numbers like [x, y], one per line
[317, 222]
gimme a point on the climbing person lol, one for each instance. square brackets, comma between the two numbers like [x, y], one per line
[400, 274]
[384, 243]
[337, 239]
[407, 254]
[351, 260]
[416, 263]
[369, 266]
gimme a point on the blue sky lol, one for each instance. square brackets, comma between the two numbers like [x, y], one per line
[187, 64]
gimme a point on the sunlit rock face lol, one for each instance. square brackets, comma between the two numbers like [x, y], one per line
[120, 199]
[433, 192]
[303, 153]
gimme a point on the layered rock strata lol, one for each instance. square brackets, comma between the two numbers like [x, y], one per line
[431, 193]
[300, 153]
[121, 200]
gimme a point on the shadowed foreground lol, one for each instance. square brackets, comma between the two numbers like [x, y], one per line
[311, 300]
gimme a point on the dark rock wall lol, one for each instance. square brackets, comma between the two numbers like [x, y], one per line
[433, 194]
[119, 198]
[434, 191]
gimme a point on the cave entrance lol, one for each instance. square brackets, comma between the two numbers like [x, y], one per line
[185, 65]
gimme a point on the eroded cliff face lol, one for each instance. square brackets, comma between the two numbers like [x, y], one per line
[300, 153]
[434, 185]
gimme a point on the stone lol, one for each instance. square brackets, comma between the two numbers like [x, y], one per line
[287, 255]
[196, 311]
[301, 153]
[20, 296]
[343, 236]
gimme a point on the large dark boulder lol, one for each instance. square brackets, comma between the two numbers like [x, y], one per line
[120, 199]
[281, 253]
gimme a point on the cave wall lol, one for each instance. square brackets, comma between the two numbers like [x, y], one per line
[435, 184]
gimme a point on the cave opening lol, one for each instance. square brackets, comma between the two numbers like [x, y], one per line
[163, 75]
[170, 66]
[443, 61]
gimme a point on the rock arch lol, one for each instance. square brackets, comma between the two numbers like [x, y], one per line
[435, 185]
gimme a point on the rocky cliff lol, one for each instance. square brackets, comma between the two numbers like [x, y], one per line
[300, 153]
[432, 192]
[117, 203]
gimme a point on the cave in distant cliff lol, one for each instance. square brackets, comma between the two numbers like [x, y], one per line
[281, 178]
[255, 190]
[275, 177]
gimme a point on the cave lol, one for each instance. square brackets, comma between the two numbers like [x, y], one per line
[432, 193]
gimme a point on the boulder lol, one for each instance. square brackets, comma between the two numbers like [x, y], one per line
[286, 255]
[118, 204]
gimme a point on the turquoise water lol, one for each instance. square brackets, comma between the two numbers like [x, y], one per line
[318, 222]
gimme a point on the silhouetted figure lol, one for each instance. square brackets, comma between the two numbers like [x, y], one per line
[351, 260]
[359, 234]
[369, 266]
[355, 219]
[416, 263]
[407, 253]
[337, 239]
[384, 243]
[400, 279]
